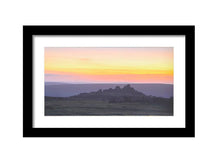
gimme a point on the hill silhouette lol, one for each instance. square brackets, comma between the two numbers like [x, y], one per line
[117, 95]
[56, 89]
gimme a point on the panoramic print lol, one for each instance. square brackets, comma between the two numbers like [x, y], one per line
[108, 81]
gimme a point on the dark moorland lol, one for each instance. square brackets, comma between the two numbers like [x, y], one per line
[112, 101]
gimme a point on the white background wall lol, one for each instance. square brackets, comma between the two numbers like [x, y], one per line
[203, 149]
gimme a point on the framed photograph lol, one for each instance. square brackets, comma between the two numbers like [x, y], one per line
[108, 81]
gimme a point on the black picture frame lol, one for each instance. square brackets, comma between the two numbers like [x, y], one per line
[30, 31]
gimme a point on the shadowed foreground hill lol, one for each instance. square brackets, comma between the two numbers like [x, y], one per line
[114, 95]
[117, 101]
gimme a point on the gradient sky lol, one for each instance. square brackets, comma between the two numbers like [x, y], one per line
[109, 65]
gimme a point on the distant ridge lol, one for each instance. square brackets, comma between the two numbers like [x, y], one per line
[67, 90]
[118, 95]
[55, 83]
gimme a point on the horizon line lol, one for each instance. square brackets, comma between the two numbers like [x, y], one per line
[106, 82]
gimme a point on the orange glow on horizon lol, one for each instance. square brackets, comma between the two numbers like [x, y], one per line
[106, 65]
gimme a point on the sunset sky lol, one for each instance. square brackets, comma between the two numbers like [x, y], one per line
[109, 65]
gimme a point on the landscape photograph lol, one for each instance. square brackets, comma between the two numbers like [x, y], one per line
[108, 81]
